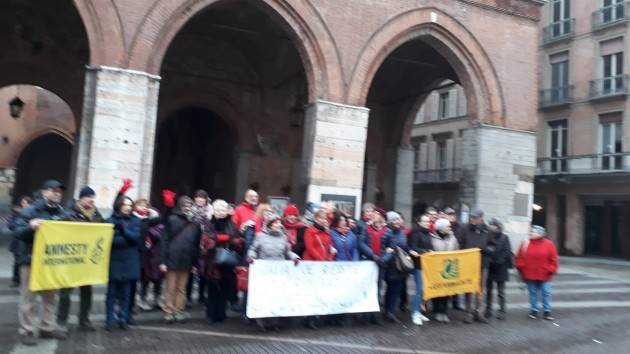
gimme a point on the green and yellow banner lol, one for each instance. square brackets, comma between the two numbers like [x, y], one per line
[70, 254]
[450, 273]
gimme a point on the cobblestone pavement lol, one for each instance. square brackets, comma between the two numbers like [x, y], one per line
[592, 316]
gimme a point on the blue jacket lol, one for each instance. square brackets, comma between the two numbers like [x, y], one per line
[391, 239]
[346, 246]
[22, 230]
[124, 262]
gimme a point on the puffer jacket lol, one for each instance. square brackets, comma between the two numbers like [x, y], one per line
[271, 245]
[392, 238]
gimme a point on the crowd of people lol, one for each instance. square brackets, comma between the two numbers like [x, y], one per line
[198, 244]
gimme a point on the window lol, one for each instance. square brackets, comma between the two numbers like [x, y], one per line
[441, 154]
[559, 76]
[444, 105]
[613, 10]
[557, 142]
[613, 73]
[560, 15]
[610, 137]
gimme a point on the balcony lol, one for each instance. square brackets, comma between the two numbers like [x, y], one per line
[556, 97]
[445, 175]
[558, 31]
[609, 87]
[611, 15]
[584, 164]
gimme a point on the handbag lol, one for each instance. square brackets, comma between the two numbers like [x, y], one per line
[404, 263]
[226, 259]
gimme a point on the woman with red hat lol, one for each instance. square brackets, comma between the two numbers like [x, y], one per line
[294, 228]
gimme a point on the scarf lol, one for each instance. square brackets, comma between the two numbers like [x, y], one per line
[88, 213]
[292, 230]
[375, 238]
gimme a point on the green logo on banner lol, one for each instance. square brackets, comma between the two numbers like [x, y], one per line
[451, 269]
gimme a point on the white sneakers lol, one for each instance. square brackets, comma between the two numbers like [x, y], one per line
[416, 318]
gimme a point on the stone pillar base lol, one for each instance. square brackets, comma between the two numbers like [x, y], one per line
[498, 173]
[334, 153]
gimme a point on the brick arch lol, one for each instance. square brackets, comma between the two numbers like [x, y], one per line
[310, 36]
[66, 135]
[453, 41]
[104, 31]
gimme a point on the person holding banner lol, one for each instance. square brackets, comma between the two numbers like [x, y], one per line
[393, 238]
[537, 262]
[318, 246]
[442, 240]
[124, 263]
[344, 240]
[83, 210]
[179, 253]
[271, 244]
[419, 243]
[47, 207]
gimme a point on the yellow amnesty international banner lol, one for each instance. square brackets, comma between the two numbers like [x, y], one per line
[70, 254]
[450, 273]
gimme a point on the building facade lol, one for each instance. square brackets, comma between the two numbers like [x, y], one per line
[582, 190]
[311, 99]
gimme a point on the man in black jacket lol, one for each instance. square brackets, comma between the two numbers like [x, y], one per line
[45, 208]
[475, 235]
[83, 210]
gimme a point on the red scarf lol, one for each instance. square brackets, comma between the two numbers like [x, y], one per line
[292, 230]
[375, 238]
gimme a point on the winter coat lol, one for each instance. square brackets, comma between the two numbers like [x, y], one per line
[370, 243]
[346, 245]
[124, 262]
[74, 213]
[220, 229]
[476, 236]
[179, 247]
[7, 231]
[537, 259]
[23, 232]
[242, 213]
[317, 243]
[298, 244]
[392, 238]
[420, 241]
[271, 245]
[443, 243]
[501, 259]
[149, 246]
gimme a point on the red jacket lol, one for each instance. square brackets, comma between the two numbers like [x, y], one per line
[242, 213]
[317, 245]
[537, 259]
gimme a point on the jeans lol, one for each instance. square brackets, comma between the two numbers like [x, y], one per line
[534, 287]
[417, 299]
[392, 295]
[118, 291]
[85, 304]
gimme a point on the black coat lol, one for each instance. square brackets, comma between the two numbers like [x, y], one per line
[23, 232]
[180, 244]
[124, 261]
[501, 259]
[73, 213]
[393, 238]
[420, 241]
[476, 236]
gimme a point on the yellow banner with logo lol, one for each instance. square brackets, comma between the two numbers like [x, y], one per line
[450, 273]
[70, 254]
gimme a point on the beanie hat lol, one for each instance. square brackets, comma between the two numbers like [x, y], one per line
[271, 218]
[442, 223]
[291, 209]
[86, 192]
[382, 212]
[392, 215]
[496, 223]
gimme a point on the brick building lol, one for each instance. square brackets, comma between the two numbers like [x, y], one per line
[312, 99]
[582, 191]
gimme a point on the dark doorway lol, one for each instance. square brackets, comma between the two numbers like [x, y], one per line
[47, 157]
[593, 230]
[195, 149]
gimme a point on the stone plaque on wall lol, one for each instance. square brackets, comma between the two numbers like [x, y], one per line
[344, 203]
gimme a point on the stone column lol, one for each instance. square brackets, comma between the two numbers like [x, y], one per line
[7, 182]
[334, 152]
[403, 188]
[498, 167]
[242, 175]
[117, 133]
[575, 224]
[371, 170]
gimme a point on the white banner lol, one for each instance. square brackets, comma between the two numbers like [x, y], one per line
[281, 289]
